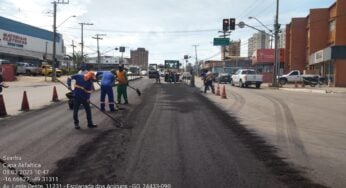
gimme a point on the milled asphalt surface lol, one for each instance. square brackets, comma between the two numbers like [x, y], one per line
[180, 139]
[173, 136]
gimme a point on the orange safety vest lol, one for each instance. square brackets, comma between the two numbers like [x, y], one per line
[121, 77]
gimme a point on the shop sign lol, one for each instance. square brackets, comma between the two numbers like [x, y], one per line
[14, 40]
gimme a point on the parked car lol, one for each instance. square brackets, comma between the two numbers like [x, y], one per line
[47, 70]
[224, 78]
[295, 76]
[28, 68]
[143, 72]
[246, 77]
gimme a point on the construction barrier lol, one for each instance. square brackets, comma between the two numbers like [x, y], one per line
[217, 90]
[25, 103]
[223, 93]
[55, 95]
[3, 112]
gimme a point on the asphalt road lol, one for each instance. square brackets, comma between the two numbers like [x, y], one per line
[173, 136]
[308, 128]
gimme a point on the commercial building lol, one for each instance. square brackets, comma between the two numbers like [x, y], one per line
[232, 50]
[317, 43]
[139, 58]
[258, 40]
[23, 42]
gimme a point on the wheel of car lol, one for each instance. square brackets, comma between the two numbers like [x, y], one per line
[232, 83]
[283, 81]
[258, 86]
[28, 72]
[241, 83]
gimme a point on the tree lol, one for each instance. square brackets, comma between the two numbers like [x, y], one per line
[79, 59]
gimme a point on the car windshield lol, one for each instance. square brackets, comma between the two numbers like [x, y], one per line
[249, 72]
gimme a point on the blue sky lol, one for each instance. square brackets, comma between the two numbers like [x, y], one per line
[168, 29]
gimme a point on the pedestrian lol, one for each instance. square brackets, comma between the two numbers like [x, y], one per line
[209, 82]
[107, 83]
[2, 84]
[122, 84]
[81, 95]
[158, 77]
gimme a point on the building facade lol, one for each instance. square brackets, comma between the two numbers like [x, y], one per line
[258, 40]
[139, 58]
[22, 42]
[317, 43]
[232, 50]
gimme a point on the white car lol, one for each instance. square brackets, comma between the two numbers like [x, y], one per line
[246, 77]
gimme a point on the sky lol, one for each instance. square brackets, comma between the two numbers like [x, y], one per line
[168, 29]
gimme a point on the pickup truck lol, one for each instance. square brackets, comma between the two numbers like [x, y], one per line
[47, 70]
[246, 77]
[295, 76]
[28, 68]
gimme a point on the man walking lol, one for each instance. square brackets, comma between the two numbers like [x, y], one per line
[107, 82]
[122, 84]
[81, 95]
[209, 82]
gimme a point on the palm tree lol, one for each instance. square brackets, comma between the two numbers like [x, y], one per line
[78, 59]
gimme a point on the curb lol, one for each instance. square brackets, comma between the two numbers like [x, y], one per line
[305, 90]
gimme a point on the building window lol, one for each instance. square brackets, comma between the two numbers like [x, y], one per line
[332, 26]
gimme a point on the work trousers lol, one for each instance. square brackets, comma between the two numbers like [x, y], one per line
[76, 103]
[207, 84]
[122, 91]
[107, 90]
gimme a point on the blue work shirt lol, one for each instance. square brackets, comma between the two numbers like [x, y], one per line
[82, 88]
[108, 79]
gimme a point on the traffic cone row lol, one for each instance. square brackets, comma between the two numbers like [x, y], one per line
[25, 102]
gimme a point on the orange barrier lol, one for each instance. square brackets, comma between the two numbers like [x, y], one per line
[55, 95]
[3, 112]
[25, 103]
[223, 93]
[217, 90]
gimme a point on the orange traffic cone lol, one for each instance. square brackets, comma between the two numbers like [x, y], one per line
[223, 93]
[3, 112]
[55, 95]
[25, 103]
[217, 90]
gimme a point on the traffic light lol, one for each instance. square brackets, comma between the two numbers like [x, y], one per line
[225, 24]
[122, 49]
[232, 24]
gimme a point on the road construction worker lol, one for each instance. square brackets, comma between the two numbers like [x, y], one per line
[81, 95]
[2, 84]
[208, 82]
[122, 84]
[107, 82]
[158, 80]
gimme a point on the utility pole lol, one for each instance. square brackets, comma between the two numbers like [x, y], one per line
[82, 40]
[192, 83]
[276, 66]
[73, 56]
[98, 50]
[54, 36]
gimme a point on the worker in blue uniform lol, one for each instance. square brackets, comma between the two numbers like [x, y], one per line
[107, 83]
[81, 95]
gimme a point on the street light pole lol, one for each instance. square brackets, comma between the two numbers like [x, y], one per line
[54, 36]
[98, 50]
[54, 43]
[276, 52]
[82, 40]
